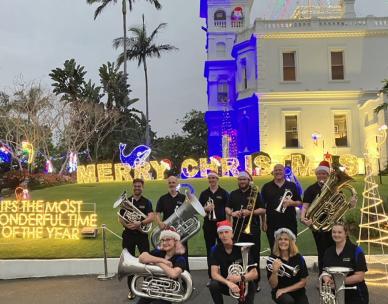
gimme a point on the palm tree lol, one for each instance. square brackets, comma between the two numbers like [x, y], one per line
[139, 48]
[383, 90]
[104, 3]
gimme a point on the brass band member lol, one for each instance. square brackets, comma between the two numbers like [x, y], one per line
[346, 254]
[169, 257]
[167, 203]
[323, 239]
[237, 209]
[214, 200]
[272, 194]
[287, 289]
[222, 256]
[132, 235]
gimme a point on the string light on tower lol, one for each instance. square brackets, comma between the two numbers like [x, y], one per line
[374, 221]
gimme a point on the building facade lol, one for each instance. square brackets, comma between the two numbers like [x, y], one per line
[306, 85]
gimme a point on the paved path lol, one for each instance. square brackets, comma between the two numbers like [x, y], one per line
[89, 290]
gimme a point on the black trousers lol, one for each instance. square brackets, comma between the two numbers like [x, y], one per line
[323, 240]
[130, 241]
[359, 296]
[271, 233]
[217, 290]
[211, 238]
[253, 238]
[186, 255]
[291, 298]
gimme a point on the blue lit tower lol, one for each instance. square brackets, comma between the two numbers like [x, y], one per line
[232, 117]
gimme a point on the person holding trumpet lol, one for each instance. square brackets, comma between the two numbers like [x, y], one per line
[214, 200]
[286, 270]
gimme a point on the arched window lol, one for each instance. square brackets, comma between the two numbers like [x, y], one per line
[220, 50]
[220, 18]
[237, 17]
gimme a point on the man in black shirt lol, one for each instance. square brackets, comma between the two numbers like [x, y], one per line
[167, 203]
[222, 256]
[272, 194]
[214, 200]
[237, 208]
[132, 235]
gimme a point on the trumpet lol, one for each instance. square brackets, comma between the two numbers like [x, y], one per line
[286, 195]
[285, 270]
[212, 214]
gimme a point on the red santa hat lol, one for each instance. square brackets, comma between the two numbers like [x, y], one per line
[323, 166]
[171, 233]
[212, 174]
[224, 226]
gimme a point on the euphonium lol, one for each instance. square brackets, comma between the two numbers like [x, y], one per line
[285, 270]
[332, 204]
[337, 294]
[286, 195]
[150, 281]
[183, 219]
[130, 213]
[237, 269]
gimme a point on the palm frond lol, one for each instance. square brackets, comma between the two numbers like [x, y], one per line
[156, 31]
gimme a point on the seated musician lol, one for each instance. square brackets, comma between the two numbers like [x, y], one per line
[346, 254]
[169, 257]
[221, 257]
[287, 289]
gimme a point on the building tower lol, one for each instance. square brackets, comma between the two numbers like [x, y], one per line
[229, 117]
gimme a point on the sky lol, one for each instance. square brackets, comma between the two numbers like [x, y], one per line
[38, 36]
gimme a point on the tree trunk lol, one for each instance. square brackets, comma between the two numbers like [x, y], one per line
[147, 132]
[124, 9]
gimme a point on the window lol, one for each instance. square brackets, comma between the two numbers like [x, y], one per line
[337, 65]
[340, 130]
[244, 73]
[220, 18]
[222, 91]
[289, 66]
[220, 50]
[291, 131]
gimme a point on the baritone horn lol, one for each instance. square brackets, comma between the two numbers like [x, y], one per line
[336, 295]
[286, 195]
[129, 213]
[285, 270]
[150, 281]
[332, 204]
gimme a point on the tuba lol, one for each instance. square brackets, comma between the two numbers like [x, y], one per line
[150, 281]
[332, 204]
[129, 213]
[183, 219]
[237, 269]
[326, 293]
[285, 270]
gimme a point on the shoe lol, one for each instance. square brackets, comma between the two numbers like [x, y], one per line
[131, 296]
[258, 289]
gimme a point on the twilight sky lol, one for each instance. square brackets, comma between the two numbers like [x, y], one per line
[38, 36]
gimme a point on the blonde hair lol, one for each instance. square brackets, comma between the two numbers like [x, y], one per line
[292, 248]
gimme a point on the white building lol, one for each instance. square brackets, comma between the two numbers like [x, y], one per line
[281, 81]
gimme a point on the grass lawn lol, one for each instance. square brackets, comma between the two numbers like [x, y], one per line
[104, 196]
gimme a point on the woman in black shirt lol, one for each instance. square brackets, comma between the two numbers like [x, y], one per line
[347, 254]
[287, 290]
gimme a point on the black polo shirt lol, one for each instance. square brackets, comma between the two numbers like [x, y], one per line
[296, 260]
[271, 195]
[352, 256]
[144, 205]
[220, 198]
[219, 257]
[311, 192]
[176, 260]
[240, 198]
[167, 204]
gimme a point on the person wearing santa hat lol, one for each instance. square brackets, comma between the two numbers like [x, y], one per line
[214, 200]
[222, 256]
[169, 256]
[323, 239]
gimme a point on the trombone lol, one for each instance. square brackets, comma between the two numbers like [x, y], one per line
[293, 271]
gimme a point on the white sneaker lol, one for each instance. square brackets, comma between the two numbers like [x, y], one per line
[131, 296]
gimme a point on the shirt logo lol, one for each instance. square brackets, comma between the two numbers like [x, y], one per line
[346, 259]
[219, 197]
[141, 207]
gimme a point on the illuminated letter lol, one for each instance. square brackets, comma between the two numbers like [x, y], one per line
[262, 165]
[299, 167]
[159, 169]
[86, 174]
[123, 173]
[143, 171]
[205, 166]
[350, 162]
[104, 173]
[189, 168]
[248, 164]
[229, 166]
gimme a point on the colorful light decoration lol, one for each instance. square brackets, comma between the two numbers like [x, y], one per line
[138, 155]
[315, 137]
[49, 168]
[28, 150]
[5, 153]
[73, 162]
[374, 221]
